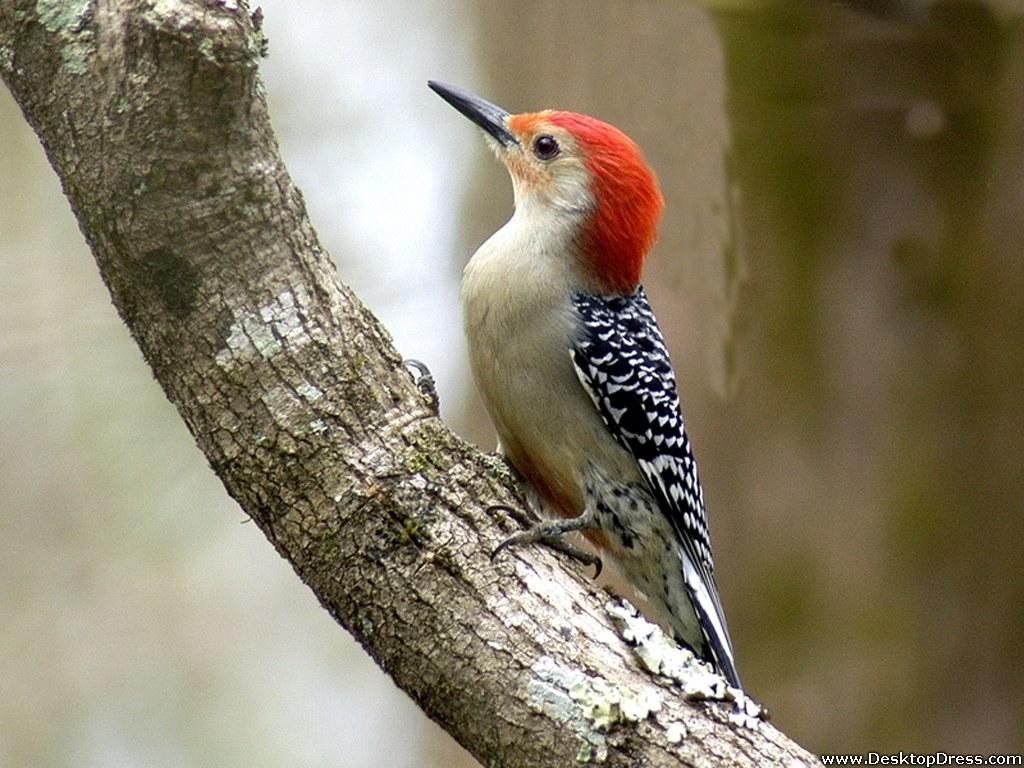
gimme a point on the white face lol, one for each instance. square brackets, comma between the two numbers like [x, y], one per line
[553, 202]
[549, 176]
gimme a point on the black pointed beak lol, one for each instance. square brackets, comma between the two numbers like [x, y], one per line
[490, 117]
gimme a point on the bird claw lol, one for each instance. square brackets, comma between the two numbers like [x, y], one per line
[550, 534]
[423, 379]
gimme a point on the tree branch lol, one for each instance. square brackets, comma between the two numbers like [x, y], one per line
[152, 114]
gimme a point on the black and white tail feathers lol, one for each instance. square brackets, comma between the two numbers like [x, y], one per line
[621, 360]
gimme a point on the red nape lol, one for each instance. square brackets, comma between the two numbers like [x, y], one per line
[624, 226]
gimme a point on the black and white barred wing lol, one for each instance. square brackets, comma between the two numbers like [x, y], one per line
[622, 362]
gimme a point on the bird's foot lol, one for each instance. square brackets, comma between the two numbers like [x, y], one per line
[424, 381]
[550, 533]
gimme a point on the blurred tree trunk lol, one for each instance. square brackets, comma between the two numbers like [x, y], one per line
[153, 117]
[880, 157]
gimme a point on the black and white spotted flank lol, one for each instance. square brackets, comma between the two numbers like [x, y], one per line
[621, 360]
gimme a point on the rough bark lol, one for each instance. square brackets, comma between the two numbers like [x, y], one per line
[152, 114]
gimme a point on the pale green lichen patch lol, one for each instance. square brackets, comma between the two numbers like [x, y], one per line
[548, 692]
[497, 464]
[76, 57]
[606, 704]
[423, 445]
[662, 656]
[61, 15]
[367, 626]
[589, 705]
[206, 49]
[66, 18]
[249, 336]
[6, 58]
[265, 333]
[587, 753]
[675, 733]
[167, 7]
[309, 392]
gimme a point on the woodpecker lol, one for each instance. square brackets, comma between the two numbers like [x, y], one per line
[572, 366]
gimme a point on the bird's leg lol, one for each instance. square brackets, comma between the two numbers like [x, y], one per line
[550, 533]
[424, 381]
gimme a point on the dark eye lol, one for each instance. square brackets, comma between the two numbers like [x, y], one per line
[545, 147]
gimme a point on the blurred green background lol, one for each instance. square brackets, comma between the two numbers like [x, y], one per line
[840, 276]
